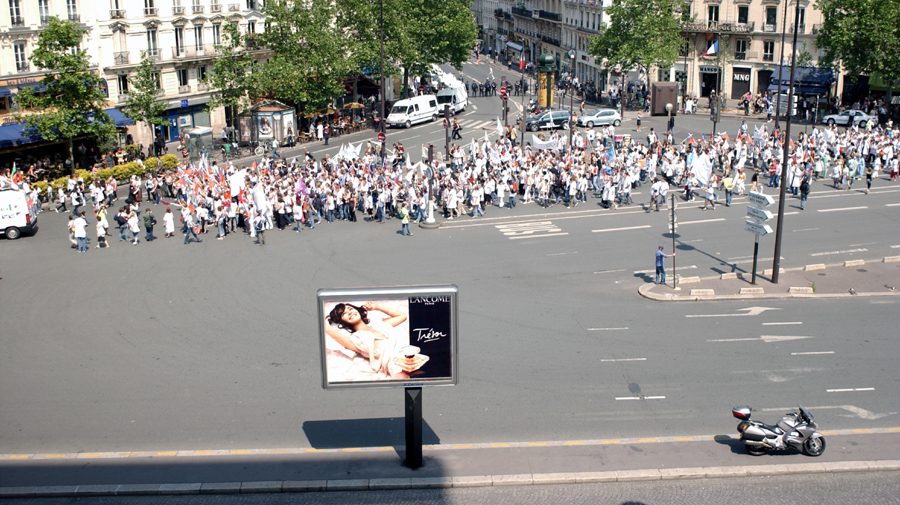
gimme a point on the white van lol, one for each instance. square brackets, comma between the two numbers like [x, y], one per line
[417, 109]
[455, 96]
[16, 216]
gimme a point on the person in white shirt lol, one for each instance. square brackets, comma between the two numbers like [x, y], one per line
[80, 227]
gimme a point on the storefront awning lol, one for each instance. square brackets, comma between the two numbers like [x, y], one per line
[14, 134]
[876, 83]
[36, 86]
[807, 80]
[4, 92]
[513, 45]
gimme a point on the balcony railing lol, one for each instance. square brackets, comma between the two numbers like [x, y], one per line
[518, 11]
[154, 53]
[123, 97]
[151, 11]
[17, 21]
[117, 14]
[202, 86]
[193, 51]
[740, 56]
[507, 15]
[801, 28]
[498, 13]
[552, 16]
[550, 40]
[22, 66]
[177, 10]
[234, 7]
[184, 89]
[816, 28]
[197, 9]
[252, 43]
[45, 20]
[769, 28]
[121, 57]
[215, 8]
[768, 57]
[74, 17]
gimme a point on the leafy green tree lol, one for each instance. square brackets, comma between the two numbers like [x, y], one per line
[862, 36]
[141, 103]
[73, 100]
[230, 74]
[641, 33]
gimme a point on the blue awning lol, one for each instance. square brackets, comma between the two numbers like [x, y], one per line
[4, 92]
[36, 86]
[14, 134]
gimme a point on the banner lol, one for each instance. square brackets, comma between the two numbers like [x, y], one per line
[388, 337]
[539, 144]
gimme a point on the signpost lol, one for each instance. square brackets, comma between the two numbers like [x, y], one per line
[673, 225]
[756, 225]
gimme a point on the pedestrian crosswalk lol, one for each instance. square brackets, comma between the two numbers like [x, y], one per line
[472, 124]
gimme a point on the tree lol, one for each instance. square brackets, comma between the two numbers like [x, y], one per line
[862, 36]
[141, 103]
[229, 75]
[73, 98]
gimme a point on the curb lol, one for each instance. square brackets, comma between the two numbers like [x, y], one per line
[447, 482]
[753, 293]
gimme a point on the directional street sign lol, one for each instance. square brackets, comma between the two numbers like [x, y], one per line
[757, 228]
[760, 200]
[757, 213]
[503, 92]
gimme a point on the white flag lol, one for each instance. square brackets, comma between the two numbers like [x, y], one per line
[499, 128]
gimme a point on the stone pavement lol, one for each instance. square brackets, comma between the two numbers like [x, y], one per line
[452, 466]
[878, 277]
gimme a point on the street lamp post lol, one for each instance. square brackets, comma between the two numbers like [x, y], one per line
[571, 99]
[381, 118]
[669, 128]
[781, 68]
[524, 109]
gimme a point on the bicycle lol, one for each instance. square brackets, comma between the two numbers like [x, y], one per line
[261, 148]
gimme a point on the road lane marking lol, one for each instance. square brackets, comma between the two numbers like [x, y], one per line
[691, 267]
[625, 359]
[702, 221]
[778, 324]
[867, 243]
[895, 247]
[765, 338]
[562, 254]
[622, 229]
[806, 229]
[609, 271]
[861, 413]
[751, 311]
[811, 352]
[843, 208]
[846, 390]
[167, 453]
[848, 251]
[622, 398]
[891, 204]
[691, 241]
[607, 329]
[539, 236]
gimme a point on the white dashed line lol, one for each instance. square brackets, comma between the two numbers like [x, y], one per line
[848, 390]
[778, 324]
[539, 236]
[561, 254]
[702, 221]
[891, 204]
[609, 271]
[812, 352]
[626, 359]
[641, 398]
[848, 251]
[622, 229]
[606, 329]
[654, 270]
[844, 208]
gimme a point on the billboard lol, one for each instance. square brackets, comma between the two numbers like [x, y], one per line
[388, 337]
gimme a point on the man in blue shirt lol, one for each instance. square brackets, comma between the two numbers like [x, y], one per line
[660, 267]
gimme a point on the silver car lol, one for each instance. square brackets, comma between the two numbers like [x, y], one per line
[848, 118]
[600, 117]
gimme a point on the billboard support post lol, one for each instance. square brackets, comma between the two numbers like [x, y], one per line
[413, 398]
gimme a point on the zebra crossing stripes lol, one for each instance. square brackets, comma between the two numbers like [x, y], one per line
[471, 124]
[517, 231]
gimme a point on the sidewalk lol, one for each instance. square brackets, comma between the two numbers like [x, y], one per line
[879, 277]
[569, 462]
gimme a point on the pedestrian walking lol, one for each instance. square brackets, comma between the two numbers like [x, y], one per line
[190, 229]
[149, 222]
[101, 236]
[169, 223]
[134, 226]
[804, 191]
[79, 226]
[660, 265]
[404, 220]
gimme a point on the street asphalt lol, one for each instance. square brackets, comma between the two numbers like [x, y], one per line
[214, 345]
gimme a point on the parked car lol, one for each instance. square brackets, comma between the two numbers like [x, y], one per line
[549, 120]
[600, 117]
[848, 118]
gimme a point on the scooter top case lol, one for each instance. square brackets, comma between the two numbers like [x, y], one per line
[742, 413]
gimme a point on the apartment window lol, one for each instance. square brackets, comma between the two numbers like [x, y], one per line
[769, 50]
[72, 10]
[15, 13]
[251, 5]
[713, 13]
[152, 46]
[150, 8]
[201, 73]
[155, 76]
[740, 49]
[198, 38]
[179, 40]
[801, 19]
[123, 84]
[217, 34]
[771, 16]
[182, 76]
[743, 14]
[21, 58]
[44, 11]
[251, 27]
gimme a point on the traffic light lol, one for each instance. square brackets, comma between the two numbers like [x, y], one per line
[447, 112]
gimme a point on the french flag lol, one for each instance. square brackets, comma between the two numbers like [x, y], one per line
[713, 49]
[522, 60]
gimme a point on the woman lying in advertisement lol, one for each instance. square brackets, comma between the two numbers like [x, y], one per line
[376, 341]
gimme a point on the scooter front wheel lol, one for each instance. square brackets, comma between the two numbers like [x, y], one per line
[755, 450]
[814, 446]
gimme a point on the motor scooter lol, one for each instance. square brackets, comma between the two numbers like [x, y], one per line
[796, 430]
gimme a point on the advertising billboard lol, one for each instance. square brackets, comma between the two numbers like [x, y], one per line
[388, 337]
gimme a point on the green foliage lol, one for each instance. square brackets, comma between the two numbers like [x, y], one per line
[642, 32]
[73, 102]
[41, 185]
[104, 174]
[150, 163]
[143, 89]
[229, 75]
[862, 36]
[84, 175]
[170, 161]
[59, 183]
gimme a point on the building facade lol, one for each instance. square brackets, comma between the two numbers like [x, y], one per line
[180, 35]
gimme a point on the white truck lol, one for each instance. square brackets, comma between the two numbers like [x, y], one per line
[415, 110]
[456, 97]
[16, 213]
